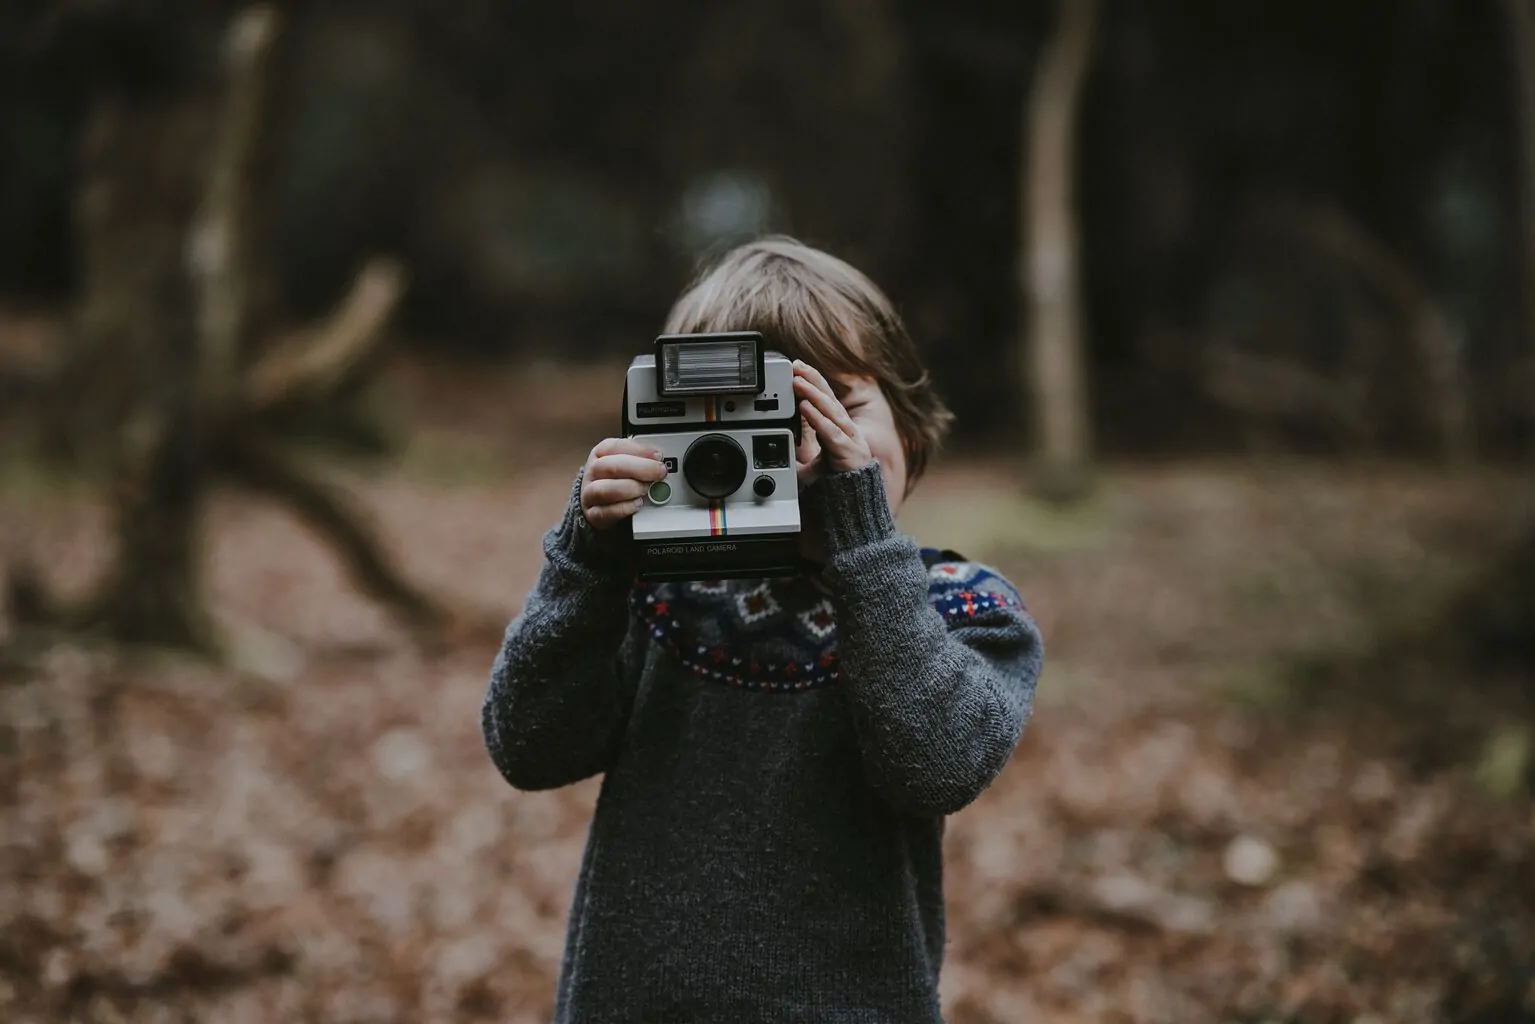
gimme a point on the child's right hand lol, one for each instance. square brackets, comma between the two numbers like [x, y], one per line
[617, 474]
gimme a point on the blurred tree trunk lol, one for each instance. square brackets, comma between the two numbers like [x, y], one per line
[166, 370]
[134, 210]
[1493, 621]
[165, 199]
[1054, 363]
[1521, 18]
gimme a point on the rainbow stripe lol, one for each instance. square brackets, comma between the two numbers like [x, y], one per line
[716, 510]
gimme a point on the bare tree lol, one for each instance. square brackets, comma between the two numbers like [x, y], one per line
[167, 364]
[1055, 365]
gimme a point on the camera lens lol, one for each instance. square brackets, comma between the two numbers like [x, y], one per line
[715, 466]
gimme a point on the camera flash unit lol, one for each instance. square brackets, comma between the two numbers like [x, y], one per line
[728, 363]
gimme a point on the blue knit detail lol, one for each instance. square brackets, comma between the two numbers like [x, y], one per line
[960, 589]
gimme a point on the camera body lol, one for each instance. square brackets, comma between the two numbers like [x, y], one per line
[722, 410]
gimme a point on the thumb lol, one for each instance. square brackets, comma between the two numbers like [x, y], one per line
[809, 444]
[807, 455]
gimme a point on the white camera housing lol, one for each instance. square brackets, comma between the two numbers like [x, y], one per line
[727, 422]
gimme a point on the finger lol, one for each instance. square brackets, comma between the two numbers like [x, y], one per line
[626, 467]
[807, 471]
[808, 444]
[830, 405]
[602, 517]
[817, 380]
[814, 377]
[626, 446]
[829, 432]
[830, 410]
[606, 492]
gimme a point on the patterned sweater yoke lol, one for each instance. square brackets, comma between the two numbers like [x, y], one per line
[780, 635]
[777, 760]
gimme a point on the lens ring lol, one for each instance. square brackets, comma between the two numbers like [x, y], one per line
[714, 466]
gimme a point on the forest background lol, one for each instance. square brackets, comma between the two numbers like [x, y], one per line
[310, 311]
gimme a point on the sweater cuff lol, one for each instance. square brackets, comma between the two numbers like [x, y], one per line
[853, 508]
[576, 539]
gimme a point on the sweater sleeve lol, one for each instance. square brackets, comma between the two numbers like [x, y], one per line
[562, 684]
[941, 683]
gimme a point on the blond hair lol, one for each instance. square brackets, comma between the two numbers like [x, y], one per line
[813, 306]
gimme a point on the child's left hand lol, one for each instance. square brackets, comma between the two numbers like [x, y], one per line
[828, 436]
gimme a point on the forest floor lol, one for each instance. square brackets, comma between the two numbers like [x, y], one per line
[1193, 829]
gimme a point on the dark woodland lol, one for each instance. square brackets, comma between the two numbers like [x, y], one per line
[310, 312]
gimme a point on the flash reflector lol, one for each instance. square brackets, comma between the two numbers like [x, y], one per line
[713, 364]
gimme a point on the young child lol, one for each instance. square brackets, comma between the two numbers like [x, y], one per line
[778, 755]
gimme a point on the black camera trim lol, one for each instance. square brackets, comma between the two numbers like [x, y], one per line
[628, 428]
[756, 337]
[758, 556]
[789, 423]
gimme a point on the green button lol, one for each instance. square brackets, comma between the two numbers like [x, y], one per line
[660, 492]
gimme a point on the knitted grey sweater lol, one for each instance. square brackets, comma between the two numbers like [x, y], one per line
[778, 758]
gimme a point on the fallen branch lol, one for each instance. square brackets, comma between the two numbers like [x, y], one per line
[330, 511]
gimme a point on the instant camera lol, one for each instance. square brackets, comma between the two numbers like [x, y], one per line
[722, 410]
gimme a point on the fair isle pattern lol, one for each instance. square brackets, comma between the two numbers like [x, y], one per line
[821, 621]
[945, 573]
[757, 605]
[960, 589]
[967, 604]
[664, 609]
[780, 636]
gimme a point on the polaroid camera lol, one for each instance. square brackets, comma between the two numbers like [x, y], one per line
[723, 413]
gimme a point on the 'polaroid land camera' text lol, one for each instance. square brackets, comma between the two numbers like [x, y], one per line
[723, 413]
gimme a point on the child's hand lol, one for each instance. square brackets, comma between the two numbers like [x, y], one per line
[828, 436]
[613, 485]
